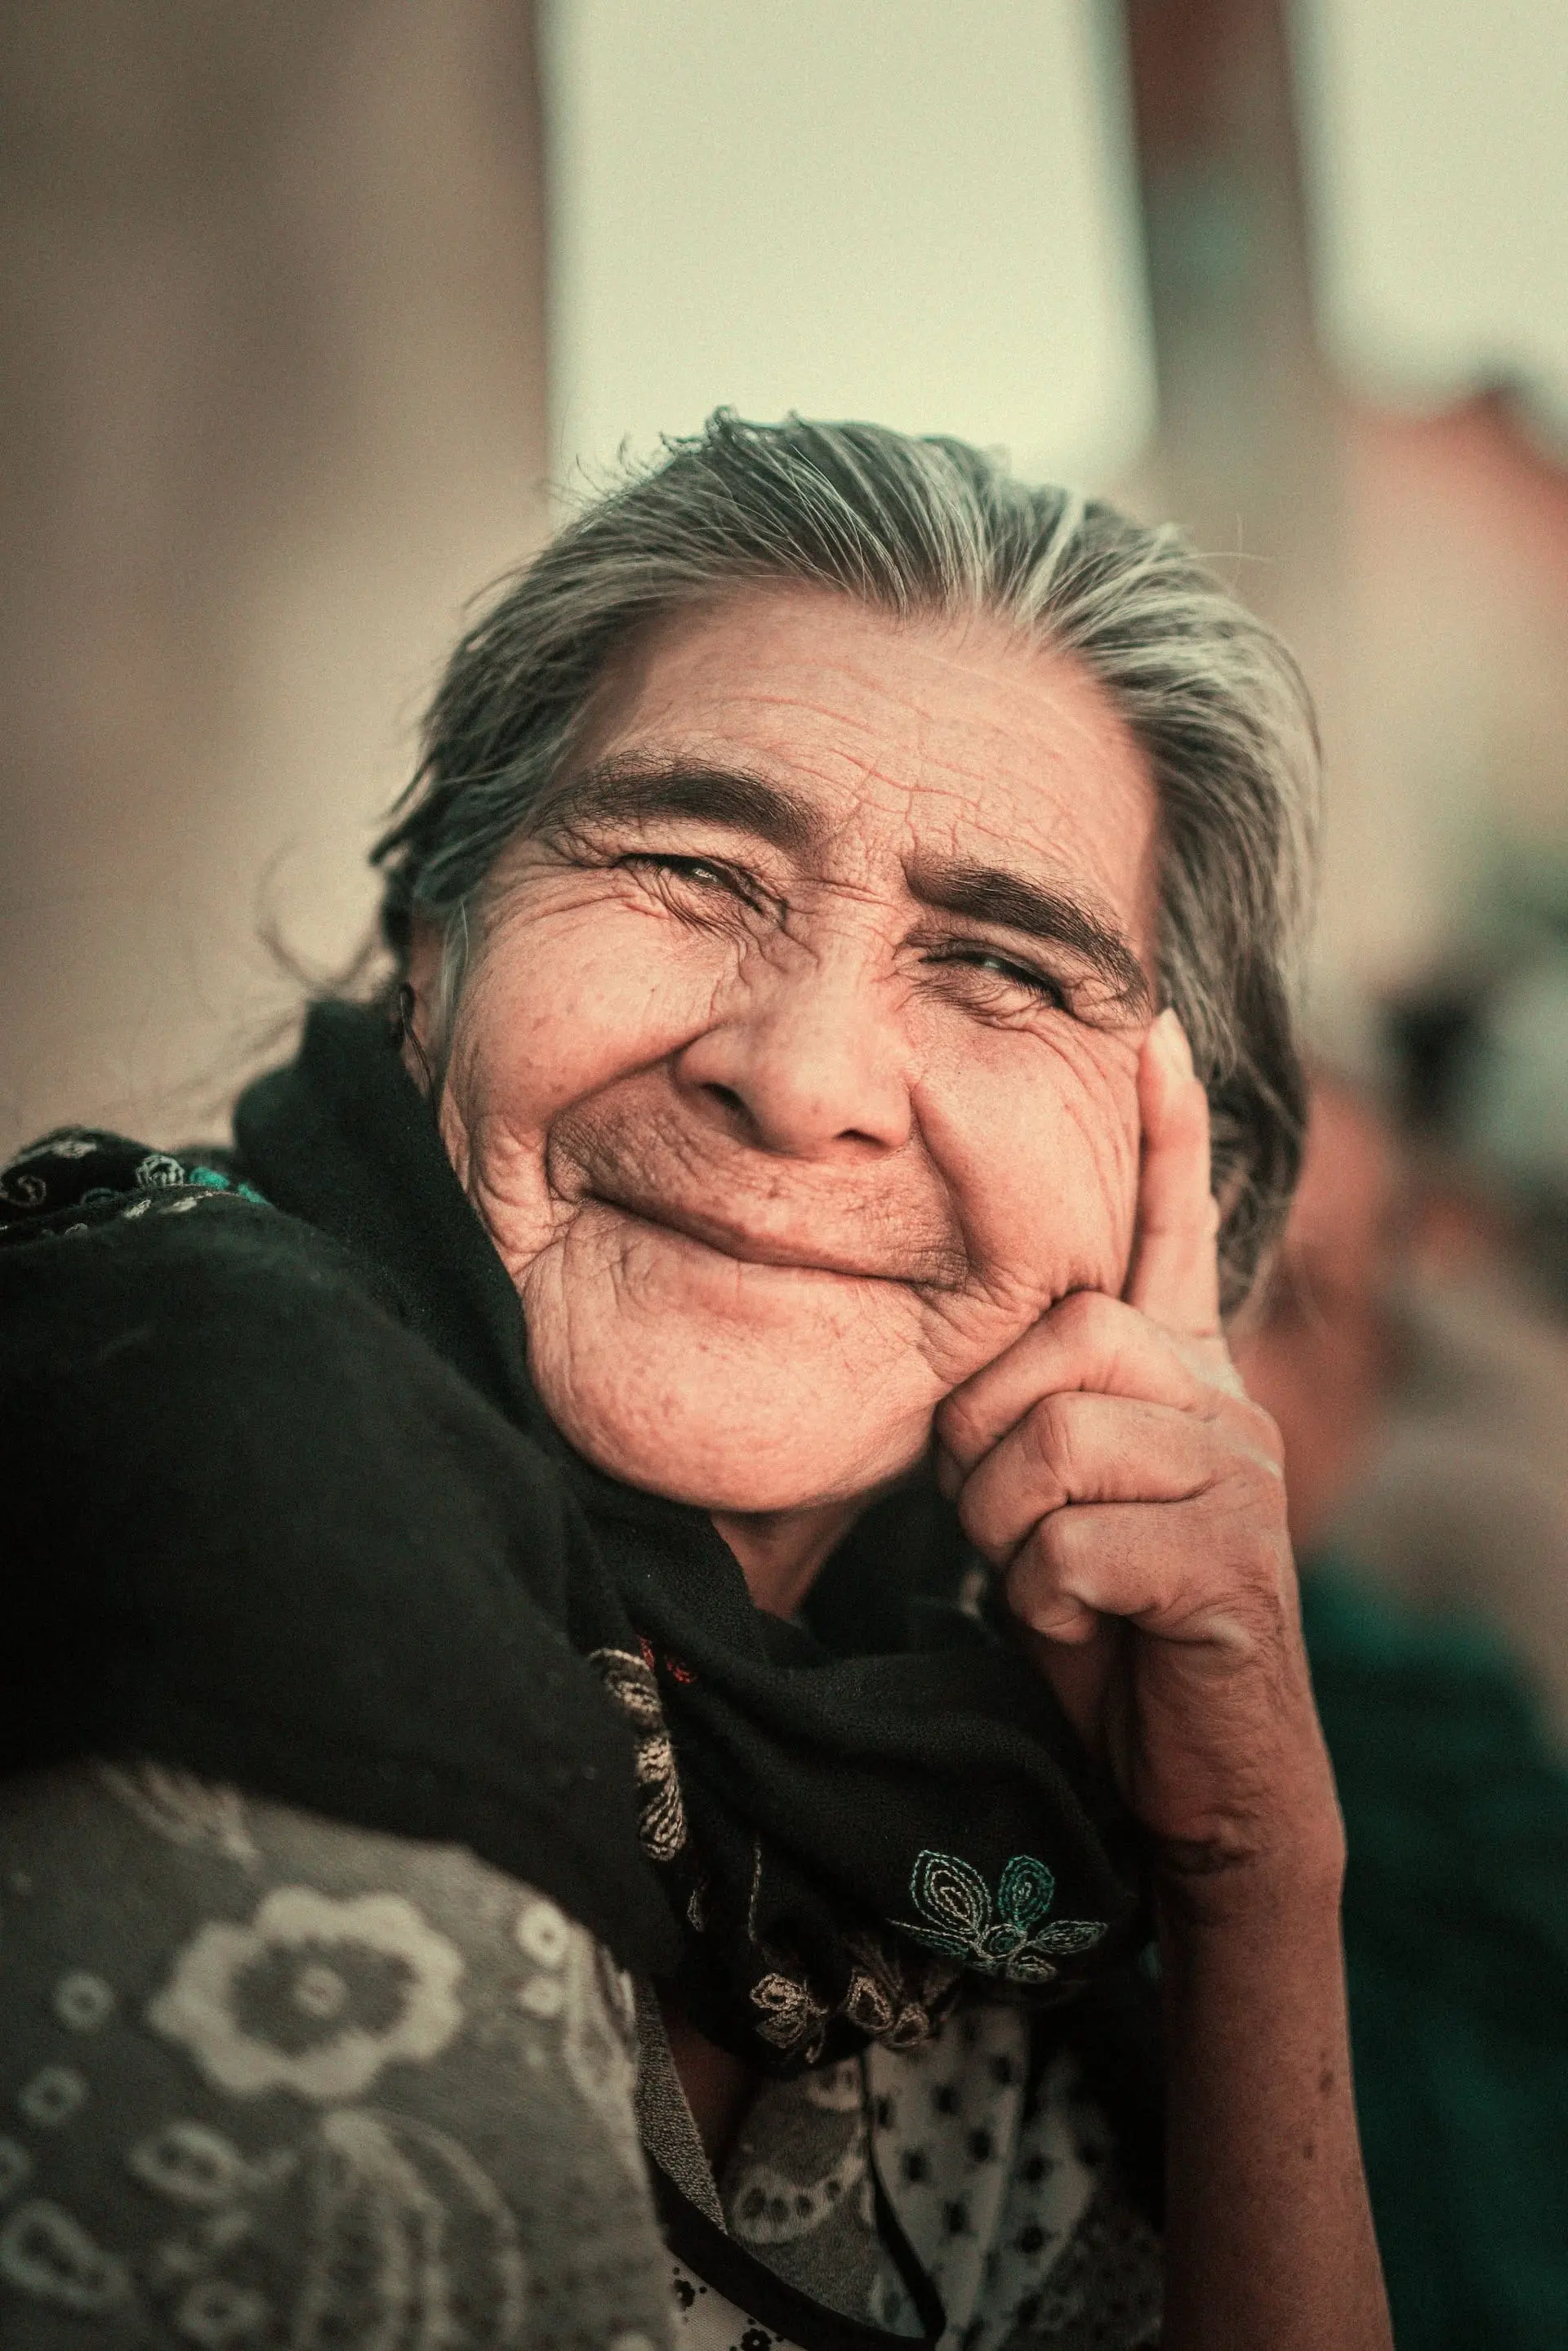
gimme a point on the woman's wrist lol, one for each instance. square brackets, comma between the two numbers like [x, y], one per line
[1285, 1889]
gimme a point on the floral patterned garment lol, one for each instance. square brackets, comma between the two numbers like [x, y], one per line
[271, 2084]
[268, 2081]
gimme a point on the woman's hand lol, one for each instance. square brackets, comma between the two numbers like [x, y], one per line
[1112, 1467]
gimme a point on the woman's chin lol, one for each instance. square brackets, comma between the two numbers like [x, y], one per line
[732, 1393]
[793, 1445]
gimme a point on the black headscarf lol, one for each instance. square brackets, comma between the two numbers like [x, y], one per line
[310, 1527]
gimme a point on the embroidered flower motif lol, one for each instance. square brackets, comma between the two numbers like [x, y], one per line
[160, 1168]
[1005, 1939]
[787, 2015]
[899, 2005]
[630, 1681]
[19, 1190]
[316, 1997]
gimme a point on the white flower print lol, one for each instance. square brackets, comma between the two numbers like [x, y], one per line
[185, 1810]
[543, 1933]
[317, 1996]
[44, 2251]
[83, 2002]
[52, 2096]
[194, 2165]
[217, 2314]
[542, 1996]
[410, 2243]
[598, 2041]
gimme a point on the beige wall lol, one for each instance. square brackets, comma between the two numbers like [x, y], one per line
[271, 373]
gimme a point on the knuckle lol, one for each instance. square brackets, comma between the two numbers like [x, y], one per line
[987, 1518]
[1055, 1544]
[1054, 1440]
[1080, 1315]
[1098, 1325]
[1035, 1584]
[1246, 1522]
[959, 1429]
[1244, 1432]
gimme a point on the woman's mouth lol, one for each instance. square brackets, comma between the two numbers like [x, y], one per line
[766, 1242]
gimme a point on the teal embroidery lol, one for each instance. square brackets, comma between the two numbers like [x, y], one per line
[211, 1179]
[1001, 1939]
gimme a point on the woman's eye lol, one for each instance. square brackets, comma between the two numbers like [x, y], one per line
[992, 964]
[680, 879]
[684, 869]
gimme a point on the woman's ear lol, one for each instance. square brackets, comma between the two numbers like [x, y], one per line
[417, 1000]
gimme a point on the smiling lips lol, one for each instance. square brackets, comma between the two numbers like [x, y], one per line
[937, 1268]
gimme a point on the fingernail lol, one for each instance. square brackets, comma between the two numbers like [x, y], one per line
[1170, 1043]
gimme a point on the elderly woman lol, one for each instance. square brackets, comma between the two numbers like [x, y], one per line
[630, 1625]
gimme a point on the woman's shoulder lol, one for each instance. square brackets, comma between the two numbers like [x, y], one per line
[266, 2074]
[257, 1524]
[90, 1174]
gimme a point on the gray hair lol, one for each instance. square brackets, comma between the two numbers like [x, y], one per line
[926, 528]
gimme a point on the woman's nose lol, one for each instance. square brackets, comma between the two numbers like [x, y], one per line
[806, 1063]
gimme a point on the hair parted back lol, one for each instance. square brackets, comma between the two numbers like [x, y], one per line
[936, 528]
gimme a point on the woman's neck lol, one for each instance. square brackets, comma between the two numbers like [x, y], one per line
[782, 1551]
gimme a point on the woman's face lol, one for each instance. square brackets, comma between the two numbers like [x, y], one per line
[794, 1074]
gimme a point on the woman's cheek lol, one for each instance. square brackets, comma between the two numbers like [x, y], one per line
[1051, 1200]
[562, 1008]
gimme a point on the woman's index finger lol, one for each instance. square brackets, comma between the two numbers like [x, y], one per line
[1175, 1274]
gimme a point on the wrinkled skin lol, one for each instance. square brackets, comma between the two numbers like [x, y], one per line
[918, 1131]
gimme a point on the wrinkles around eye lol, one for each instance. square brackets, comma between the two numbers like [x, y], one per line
[989, 968]
[712, 891]
[702, 875]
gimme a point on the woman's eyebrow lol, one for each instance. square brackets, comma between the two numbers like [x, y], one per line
[618, 789]
[989, 893]
[614, 791]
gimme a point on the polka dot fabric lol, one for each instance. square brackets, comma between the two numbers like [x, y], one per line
[1014, 2206]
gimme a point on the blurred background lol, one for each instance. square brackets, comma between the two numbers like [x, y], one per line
[317, 311]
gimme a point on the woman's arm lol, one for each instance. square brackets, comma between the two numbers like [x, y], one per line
[1110, 1466]
[1270, 2237]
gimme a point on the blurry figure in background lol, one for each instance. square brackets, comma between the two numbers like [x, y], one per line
[1319, 1352]
[1455, 1914]
[1467, 1506]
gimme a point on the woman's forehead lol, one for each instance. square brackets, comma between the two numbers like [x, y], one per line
[901, 738]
